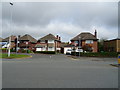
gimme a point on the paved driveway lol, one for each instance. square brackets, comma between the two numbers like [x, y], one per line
[59, 71]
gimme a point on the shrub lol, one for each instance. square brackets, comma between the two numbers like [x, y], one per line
[12, 50]
[4, 49]
[29, 51]
[46, 52]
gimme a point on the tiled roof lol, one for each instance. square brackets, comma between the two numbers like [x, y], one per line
[63, 44]
[85, 36]
[7, 39]
[29, 38]
[48, 37]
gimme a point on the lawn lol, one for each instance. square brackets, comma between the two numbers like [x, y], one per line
[4, 55]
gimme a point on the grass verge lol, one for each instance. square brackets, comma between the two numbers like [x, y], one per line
[12, 56]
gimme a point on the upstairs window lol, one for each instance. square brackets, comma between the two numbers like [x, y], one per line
[50, 41]
[42, 41]
[76, 42]
[89, 41]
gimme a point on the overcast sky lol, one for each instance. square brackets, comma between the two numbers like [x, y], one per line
[66, 19]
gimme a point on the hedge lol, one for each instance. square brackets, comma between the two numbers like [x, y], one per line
[46, 52]
[98, 54]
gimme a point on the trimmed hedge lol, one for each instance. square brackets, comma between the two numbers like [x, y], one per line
[25, 51]
[46, 52]
[98, 54]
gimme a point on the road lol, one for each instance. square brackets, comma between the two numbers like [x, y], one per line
[59, 71]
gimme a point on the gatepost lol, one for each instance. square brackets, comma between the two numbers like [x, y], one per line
[119, 59]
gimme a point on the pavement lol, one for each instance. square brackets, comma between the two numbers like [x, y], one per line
[59, 71]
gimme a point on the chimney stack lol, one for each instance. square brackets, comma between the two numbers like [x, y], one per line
[19, 36]
[95, 33]
[57, 36]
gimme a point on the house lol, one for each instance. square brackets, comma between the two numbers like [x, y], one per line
[26, 42]
[112, 45]
[48, 43]
[86, 41]
[5, 42]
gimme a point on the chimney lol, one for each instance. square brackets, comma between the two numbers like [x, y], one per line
[95, 33]
[57, 37]
[19, 37]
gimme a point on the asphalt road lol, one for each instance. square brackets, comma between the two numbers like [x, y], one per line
[59, 71]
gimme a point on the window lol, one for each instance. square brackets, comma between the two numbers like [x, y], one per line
[50, 41]
[50, 47]
[42, 41]
[89, 41]
[76, 42]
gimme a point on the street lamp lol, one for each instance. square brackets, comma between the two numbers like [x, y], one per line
[79, 45]
[10, 30]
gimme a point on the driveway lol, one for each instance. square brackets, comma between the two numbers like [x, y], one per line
[59, 71]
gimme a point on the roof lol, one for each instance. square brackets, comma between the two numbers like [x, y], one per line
[85, 36]
[48, 37]
[64, 44]
[7, 39]
[112, 40]
[29, 38]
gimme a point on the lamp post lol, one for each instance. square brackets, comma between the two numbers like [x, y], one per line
[10, 30]
[79, 45]
[26, 46]
[17, 44]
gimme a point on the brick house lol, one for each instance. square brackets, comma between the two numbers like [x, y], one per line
[6, 42]
[27, 42]
[86, 40]
[48, 43]
[112, 45]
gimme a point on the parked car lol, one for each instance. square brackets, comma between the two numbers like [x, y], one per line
[77, 50]
[68, 52]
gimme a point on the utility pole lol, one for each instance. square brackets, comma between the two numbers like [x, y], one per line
[79, 45]
[16, 44]
[10, 30]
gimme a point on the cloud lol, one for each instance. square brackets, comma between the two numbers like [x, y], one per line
[63, 18]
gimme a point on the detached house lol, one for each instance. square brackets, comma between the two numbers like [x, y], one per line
[48, 43]
[27, 42]
[86, 41]
[5, 42]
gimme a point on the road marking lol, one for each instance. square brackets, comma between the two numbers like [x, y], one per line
[72, 58]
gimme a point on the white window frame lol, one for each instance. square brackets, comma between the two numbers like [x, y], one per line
[50, 41]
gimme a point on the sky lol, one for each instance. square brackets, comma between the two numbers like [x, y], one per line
[66, 19]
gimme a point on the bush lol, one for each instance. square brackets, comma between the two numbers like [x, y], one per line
[4, 49]
[25, 51]
[46, 52]
[29, 51]
[98, 54]
[12, 50]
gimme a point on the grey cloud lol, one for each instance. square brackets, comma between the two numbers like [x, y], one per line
[67, 19]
